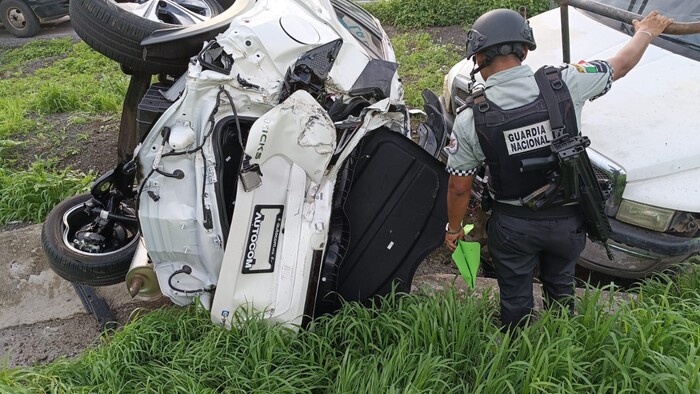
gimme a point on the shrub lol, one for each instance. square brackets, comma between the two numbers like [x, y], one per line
[424, 13]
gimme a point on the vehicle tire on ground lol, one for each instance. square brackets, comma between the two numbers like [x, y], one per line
[95, 269]
[18, 18]
[116, 32]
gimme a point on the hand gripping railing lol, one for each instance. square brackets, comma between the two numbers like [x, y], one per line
[676, 28]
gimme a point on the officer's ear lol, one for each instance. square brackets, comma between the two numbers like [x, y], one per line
[525, 51]
[479, 59]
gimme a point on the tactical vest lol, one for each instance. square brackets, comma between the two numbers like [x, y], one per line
[509, 136]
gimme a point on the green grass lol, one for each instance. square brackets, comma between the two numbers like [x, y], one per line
[423, 64]
[42, 78]
[29, 195]
[77, 80]
[12, 60]
[446, 343]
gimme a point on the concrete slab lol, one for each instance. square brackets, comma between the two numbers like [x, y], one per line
[30, 292]
[439, 282]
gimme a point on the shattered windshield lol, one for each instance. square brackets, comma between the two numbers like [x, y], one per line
[680, 11]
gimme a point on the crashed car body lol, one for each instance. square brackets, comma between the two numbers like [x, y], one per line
[643, 133]
[277, 173]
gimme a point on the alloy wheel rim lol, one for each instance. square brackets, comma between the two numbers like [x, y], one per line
[175, 12]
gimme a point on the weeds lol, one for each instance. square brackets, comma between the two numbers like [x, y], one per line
[445, 343]
[30, 194]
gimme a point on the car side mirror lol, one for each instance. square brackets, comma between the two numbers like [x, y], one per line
[461, 89]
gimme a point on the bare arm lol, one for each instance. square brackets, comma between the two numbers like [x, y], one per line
[459, 190]
[645, 31]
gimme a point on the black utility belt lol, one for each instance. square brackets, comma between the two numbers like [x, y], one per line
[519, 211]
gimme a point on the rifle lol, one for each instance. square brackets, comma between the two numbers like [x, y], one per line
[573, 181]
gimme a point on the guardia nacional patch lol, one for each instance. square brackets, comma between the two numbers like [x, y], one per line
[531, 137]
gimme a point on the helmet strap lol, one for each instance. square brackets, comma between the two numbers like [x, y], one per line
[476, 69]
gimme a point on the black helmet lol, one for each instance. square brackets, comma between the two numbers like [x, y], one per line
[499, 27]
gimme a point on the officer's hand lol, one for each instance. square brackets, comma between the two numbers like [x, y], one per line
[451, 239]
[654, 23]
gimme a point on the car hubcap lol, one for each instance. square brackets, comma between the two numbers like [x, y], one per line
[16, 19]
[78, 235]
[175, 12]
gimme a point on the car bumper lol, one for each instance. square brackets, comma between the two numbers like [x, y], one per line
[638, 252]
[48, 10]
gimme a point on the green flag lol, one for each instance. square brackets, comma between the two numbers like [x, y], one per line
[467, 258]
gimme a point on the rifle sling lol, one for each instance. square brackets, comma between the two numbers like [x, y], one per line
[547, 80]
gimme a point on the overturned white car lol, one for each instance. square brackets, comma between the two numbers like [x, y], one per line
[276, 173]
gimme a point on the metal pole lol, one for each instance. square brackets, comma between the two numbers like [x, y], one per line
[565, 43]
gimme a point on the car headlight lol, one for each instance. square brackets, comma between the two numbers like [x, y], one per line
[647, 216]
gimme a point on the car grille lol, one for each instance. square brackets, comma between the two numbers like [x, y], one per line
[604, 180]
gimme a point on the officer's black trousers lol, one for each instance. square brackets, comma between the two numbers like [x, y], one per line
[518, 245]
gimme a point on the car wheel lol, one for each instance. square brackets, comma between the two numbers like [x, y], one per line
[116, 29]
[78, 254]
[18, 18]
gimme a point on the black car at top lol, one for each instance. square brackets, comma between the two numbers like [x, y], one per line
[23, 18]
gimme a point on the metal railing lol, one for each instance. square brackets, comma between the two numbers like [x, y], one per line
[676, 28]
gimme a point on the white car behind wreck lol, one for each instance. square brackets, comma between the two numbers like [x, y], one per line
[644, 133]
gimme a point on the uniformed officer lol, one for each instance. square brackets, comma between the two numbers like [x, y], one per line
[507, 123]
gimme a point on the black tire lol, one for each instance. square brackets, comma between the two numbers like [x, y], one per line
[117, 33]
[94, 269]
[18, 18]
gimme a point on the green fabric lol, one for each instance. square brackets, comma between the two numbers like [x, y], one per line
[467, 258]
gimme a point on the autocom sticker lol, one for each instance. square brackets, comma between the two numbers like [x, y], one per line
[263, 239]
